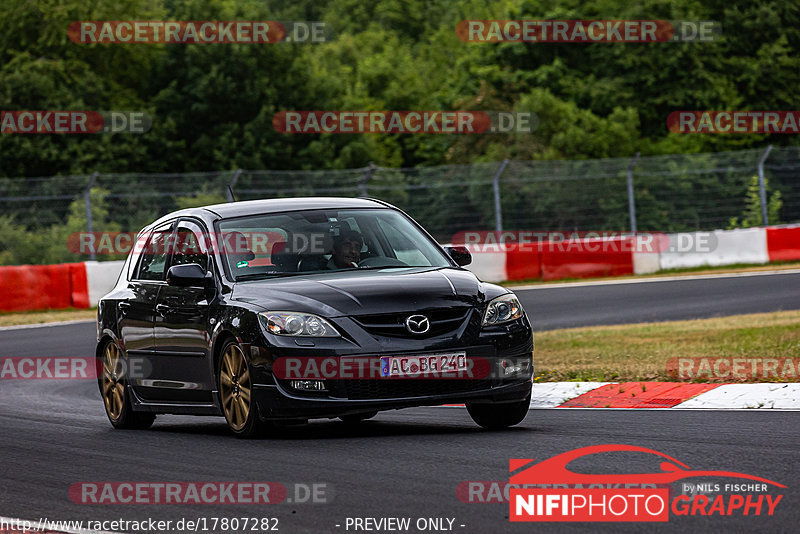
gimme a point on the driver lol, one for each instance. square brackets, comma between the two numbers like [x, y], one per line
[346, 250]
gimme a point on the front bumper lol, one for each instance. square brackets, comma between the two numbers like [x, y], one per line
[276, 403]
[276, 399]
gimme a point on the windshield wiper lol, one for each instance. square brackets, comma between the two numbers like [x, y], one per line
[367, 268]
[256, 276]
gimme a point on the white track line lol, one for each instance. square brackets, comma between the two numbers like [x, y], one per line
[45, 325]
[652, 279]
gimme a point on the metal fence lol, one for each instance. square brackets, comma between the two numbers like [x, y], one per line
[655, 193]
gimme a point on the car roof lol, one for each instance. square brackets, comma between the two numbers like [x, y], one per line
[274, 205]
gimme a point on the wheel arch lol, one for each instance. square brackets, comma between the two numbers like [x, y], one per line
[98, 350]
[221, 339]
[107, 335]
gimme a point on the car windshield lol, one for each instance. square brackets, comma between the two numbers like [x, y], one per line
[320, 241]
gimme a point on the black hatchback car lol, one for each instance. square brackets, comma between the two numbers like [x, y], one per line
[284, 310]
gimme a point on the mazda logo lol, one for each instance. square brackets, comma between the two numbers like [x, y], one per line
[418, 324]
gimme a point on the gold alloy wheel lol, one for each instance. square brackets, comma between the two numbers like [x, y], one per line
[234, 385]
[113, 388]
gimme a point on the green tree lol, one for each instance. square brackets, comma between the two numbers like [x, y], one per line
[752, 216]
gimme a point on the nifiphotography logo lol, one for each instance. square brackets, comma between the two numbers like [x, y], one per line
[548, 491]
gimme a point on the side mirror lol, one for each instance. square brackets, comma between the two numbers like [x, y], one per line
[460, 255]
[187, 275]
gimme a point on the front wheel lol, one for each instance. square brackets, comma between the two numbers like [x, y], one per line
[114, 389]
[236, 393]
[501, 415]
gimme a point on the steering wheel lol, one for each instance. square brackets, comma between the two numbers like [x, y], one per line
[379, 261]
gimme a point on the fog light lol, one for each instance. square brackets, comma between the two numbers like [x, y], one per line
[515, 367]
[308, 385]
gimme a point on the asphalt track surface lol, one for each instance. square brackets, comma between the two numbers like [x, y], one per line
[603, 303]
[403, 463]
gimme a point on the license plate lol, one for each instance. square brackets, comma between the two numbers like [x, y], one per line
[428, 365]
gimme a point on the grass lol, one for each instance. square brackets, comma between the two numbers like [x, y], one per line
[640, 352]
[722, 269]
[37, 317]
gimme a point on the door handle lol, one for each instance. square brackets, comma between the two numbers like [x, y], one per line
[123, 307]
[162, 309]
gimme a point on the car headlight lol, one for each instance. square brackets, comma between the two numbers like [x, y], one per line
[502, 310]
[297, 324]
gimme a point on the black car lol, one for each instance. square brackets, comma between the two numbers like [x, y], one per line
[278, 311]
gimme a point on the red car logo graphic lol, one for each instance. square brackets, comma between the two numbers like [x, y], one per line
[554, 470]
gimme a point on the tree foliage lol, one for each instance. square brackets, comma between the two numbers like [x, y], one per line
[752, 215]
[212, 104]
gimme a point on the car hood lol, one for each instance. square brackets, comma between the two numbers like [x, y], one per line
[364, 292]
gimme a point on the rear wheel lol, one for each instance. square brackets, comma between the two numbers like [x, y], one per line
[500, 415]
[236, 393]
[114, 389]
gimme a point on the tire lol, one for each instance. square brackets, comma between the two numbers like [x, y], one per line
[355, 419]
[114, 391]
[500, 415]
[236, 393]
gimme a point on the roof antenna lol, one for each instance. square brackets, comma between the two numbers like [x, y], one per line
[231, 197]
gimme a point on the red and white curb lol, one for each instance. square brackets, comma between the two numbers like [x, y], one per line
[664, 395]
[676, 395]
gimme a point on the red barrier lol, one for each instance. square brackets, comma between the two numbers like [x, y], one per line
[79, 285]
[783, 244]
[43, 287]
[594, 258]
[586, 258]
[523, 263]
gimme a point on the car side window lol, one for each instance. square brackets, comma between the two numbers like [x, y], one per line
[153, 260]
[190, 246]
[136, 254]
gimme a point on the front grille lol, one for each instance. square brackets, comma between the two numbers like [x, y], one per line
[405, 388]
[443, 320]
